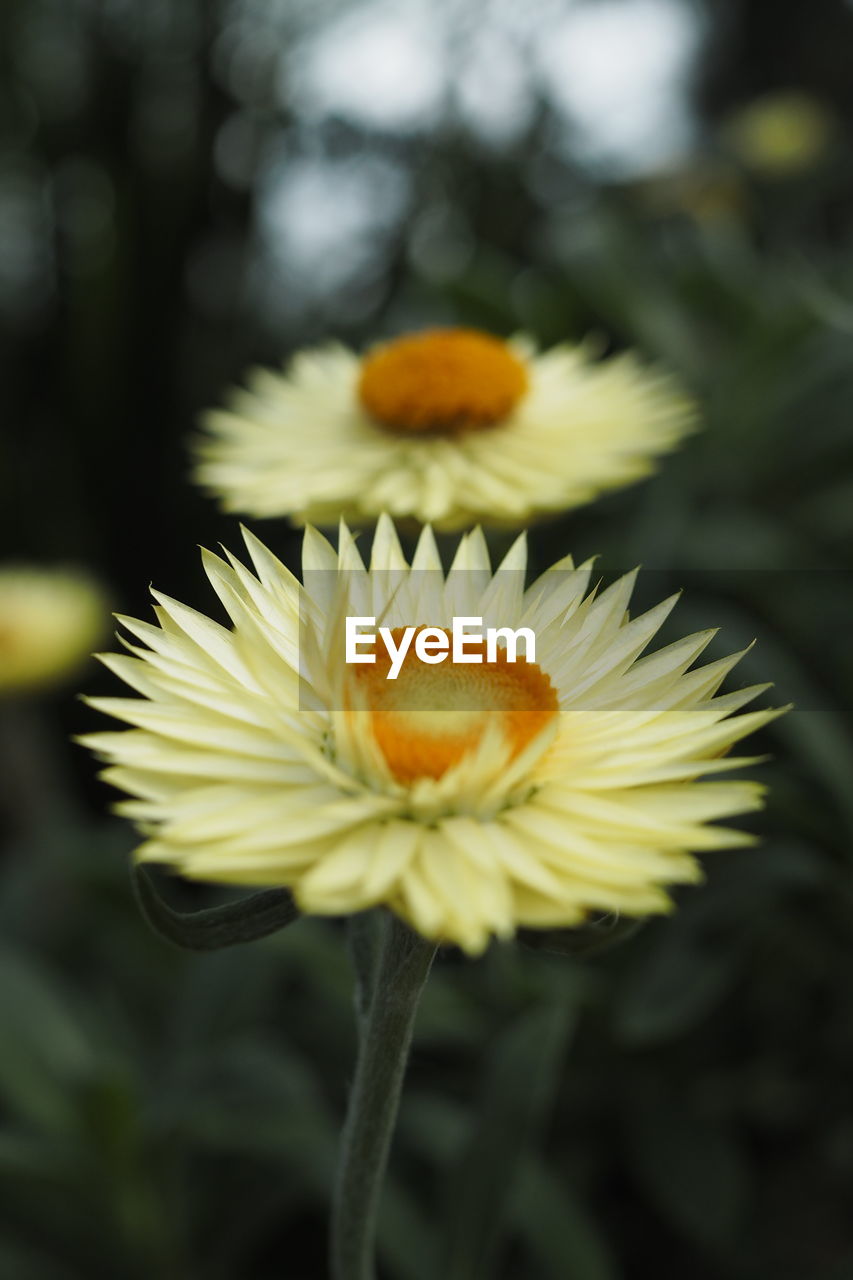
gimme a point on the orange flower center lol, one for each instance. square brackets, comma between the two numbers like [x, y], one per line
[441, 381]
[432, 716]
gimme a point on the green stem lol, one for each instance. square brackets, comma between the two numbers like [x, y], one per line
[385, 1033]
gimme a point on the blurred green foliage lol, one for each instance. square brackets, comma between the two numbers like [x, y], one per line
[680, 1106]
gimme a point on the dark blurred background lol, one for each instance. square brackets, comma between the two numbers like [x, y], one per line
[189, 187]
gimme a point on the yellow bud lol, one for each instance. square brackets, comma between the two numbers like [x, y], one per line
[779, 134]
[50, 619]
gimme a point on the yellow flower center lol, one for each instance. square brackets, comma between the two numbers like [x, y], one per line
[432, 716]
[441, 381]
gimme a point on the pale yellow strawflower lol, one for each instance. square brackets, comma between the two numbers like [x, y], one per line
[448, 426]
[542, 791]
[50, 620]
[779, 134]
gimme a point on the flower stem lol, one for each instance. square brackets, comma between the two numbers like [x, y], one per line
[385, 1033]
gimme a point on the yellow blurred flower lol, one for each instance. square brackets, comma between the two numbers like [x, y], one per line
[50, 620]
[471, 798]
[448, 426]
[779, 134]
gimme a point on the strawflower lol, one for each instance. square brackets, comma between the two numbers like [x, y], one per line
[470, 799]
[448, 426]
[50, 619]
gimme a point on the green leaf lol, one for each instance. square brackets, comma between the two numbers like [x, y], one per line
[522, 1075]
[434, 1126]
[45, 1049]
[26, 1264]
[557, 1229]
[691, 1167]
[243, 921]
[683, 967]
[25, 1156]
[406, 1237]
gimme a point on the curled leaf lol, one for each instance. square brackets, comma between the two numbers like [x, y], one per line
[249, 918]
[583, 940]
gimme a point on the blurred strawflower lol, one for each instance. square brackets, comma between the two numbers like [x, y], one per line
[448, 426]
[470, 799]
[779, 134]
[50, 620]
